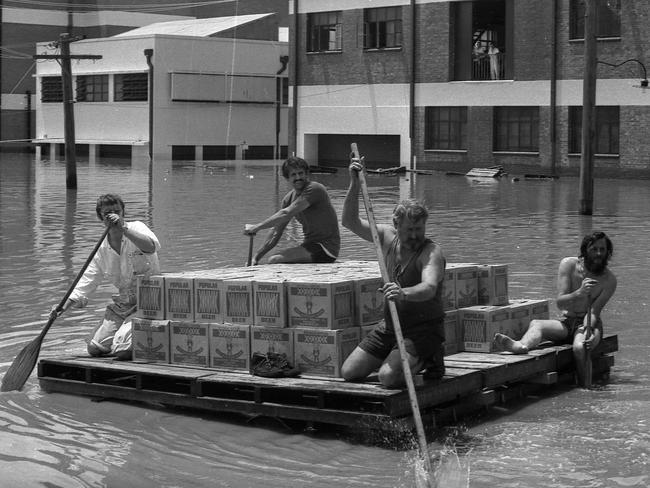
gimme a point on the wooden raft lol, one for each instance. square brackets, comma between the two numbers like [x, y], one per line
[473, 381]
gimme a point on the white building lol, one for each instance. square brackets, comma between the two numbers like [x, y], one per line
[212, 97]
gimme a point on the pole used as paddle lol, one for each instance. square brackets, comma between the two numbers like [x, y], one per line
[424, 451]
[23, 365]
[249, 261]
[587, 364]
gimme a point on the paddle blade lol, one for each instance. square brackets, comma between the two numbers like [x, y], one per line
[19, 371]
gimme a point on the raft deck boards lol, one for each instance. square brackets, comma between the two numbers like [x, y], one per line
[472, 381]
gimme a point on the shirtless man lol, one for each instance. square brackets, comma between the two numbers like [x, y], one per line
[310, 204]
[582, 280]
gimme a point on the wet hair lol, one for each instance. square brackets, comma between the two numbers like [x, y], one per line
[410, 209]
[106, 200]
[294, 163]
[589, 239]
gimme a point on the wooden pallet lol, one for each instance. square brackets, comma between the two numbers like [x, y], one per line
[472, 381]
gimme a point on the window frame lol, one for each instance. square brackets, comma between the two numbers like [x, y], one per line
[516, 122]
[98, 91]
[445, 128]
[51, 89]
[382, 28]
[608, 130]
[136, 89]
[318, 25]
[608, 25]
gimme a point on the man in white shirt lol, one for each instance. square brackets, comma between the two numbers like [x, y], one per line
[130, 249]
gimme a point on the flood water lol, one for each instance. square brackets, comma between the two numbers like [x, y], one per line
[566, 438]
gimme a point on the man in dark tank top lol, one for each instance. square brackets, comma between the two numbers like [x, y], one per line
[416, 267]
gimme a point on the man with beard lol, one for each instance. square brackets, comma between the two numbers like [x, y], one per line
[582, 281]
[416, 266]
[310, 204]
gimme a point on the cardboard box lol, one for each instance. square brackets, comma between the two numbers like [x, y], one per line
[449, 291]
[230, 347]
[519, 319]
[493, 284]
[322, 305]
[480, 323]
[539, 309]
[466, 284]
[322, 352]
[369, 301]
[151, 297]
[270, 297]
[237, 301]
[179, 297]
[150, 339]
[272, 339]
[207, 299]
[453, 334]
[189, 344]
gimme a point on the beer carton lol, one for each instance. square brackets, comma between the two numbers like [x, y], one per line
[369, 300]
[207, 299]
[189, 344]
[151, 297]
[179, 297]
[270, 299]
[539, 309]
[519, 319]
[493, 284]
[480, 323]
[150, 339]
[272, 339]
[453, 336]
[322, 352]
[449, 291]
[237, 301]
[466, 284]
[230, 347]
[322, 305]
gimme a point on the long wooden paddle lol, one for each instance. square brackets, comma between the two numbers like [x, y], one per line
[250, 250]
[23, 365]
[587, 365]
[424, 451]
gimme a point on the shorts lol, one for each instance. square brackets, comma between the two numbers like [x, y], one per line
[572, 324]
[319, 254]
[424, 342]
[111, 335]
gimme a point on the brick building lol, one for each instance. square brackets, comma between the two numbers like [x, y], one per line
[457, 84]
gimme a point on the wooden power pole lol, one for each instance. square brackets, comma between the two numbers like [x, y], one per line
[588, 111]
[68, 103]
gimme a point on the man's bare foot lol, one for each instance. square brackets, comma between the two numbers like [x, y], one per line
[505, 343]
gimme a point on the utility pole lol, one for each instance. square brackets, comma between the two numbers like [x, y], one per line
[68, 103]
[588, 111]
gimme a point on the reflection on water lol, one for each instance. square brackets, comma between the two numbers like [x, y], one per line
[198, 210]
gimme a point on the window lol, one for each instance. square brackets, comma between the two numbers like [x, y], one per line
[382, 28]
[607, 124]
[285, 91]
[93, 88]
[324, 31]
[132, 87]
[516, 129]
[608, 19]
[51, 89]
[445, 128]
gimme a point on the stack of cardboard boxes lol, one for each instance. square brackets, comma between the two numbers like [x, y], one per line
[316, 314]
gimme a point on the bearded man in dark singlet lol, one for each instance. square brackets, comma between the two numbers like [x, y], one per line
[582, 280]
[416, 266]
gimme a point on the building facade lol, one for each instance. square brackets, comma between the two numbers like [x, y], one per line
[452, 85]
[173, 96]
[24, 24]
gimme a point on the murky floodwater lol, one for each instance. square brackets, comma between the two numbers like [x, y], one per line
[569, 438]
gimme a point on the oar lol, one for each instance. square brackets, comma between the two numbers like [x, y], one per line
[424, 451]
[250, 250]
[23, 365]
[587, 365]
